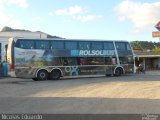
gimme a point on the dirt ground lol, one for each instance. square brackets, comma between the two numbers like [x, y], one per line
[134, 87]
[129, 94]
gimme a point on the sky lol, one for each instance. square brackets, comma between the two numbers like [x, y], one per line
[84, 19]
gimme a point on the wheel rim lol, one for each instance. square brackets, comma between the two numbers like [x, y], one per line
[55, 75]
[42, 75]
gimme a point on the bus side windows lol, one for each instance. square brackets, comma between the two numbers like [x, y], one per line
[114, 61]
[108, 46]
[26, 44]
[97, 45]
[57, 45]
[108, 61]
[128, 46]
[96, 61]
[90, 61]
[81, 61]
[123, 60]
[84, 61]
[123, 46]
[68, 61]
[84, 45]
[120, 46]
[65, 62]
[41, 44]
[70, 45]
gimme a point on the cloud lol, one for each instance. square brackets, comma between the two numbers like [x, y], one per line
[8, 19]
[87, 18]
[76, 12]
[50, 13]
[73, 10]
[19, 3]
[16, 23]
[3, 17]
[36, 19]
[142, 15]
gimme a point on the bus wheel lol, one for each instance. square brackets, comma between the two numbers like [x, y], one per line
[42, 75]
[108, 75]
[118, 72]
[55, 75]
[35, 79]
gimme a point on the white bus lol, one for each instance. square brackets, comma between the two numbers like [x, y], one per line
[42, 59]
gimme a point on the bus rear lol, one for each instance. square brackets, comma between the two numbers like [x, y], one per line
[10, 57]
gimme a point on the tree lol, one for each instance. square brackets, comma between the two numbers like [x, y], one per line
[6, 29]
[157, 49]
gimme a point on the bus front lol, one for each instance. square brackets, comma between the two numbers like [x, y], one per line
[125, 56]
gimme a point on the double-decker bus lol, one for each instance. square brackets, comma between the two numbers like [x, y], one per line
[42, 59]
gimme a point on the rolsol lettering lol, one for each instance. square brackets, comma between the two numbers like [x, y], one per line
[96, 52]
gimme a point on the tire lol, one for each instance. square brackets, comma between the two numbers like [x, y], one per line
[55, 75]
[118, 72]
[108, 75]
[35, 79]
[42, 75]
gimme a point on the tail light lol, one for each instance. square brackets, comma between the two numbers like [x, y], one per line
[12, 66]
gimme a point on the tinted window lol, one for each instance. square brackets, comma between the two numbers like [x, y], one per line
[71, 45]
[130, 59]
[40, 44]
[97, 46]
[25, 44]
[121, 46]
[91, 61]
[96, 61]
[68, 61]
[108, 61]
[123, 60]
[57, 44]
[128, 46]
[114, 60]
[84, 45]
[108, 46]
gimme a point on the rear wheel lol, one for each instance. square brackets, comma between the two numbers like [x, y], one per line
[35, 79]
[42, 75]
[55, 75]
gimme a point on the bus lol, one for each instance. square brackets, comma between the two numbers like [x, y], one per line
[42, 59]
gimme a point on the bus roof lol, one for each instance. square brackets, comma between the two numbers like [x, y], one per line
[64, 39]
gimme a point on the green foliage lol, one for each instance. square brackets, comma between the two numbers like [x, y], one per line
[50, 36]
[136, 45]
[5, 29]
[157, 49]
[9, 29]
[144, 45]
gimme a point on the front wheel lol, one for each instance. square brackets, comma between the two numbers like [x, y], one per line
[108, 75]
[42, 75]
[118, 72]
[35, 79]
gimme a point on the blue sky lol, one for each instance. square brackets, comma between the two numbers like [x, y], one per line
[86, 19]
